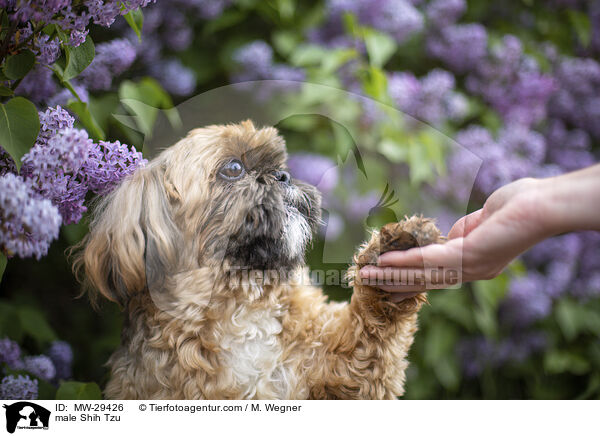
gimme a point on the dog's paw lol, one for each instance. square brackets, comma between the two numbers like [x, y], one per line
[408, 233]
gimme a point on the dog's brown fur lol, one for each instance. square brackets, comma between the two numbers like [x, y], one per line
[192, 334]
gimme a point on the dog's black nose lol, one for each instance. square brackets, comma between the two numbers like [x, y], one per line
[282, 176]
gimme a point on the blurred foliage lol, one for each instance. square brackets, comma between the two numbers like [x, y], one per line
[40, 298]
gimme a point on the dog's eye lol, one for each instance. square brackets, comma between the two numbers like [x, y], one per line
[232, 170]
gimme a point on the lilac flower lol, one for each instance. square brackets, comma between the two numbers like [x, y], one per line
[27, 224]
[577, 99]
[18, 388]
[41, 366]
[112, 58]
[527, 148]
[333, 226]
[38, 85]
[315, 169]
[427, 99]
[64, 96]
[103, 13]
[61, 355]
[442, 13]
[398, 18]
[109, 163]
[52, 170]
[52, 120]
[475, 355]
[48, 49]
[10, 353]
[461, 47]
[175, 77]
[181, 34]
[359, 205]
[527, 300]
[518, 348]
[255, 60]
[7, 164]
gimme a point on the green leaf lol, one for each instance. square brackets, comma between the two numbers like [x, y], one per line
[375, 84]
[135, 19]
[19, 127]
[35, 325]
[307, 55]
[5, 92]
[18, 65]
[10, 324]
[285, 41]
[78, 58]
[46, 391]
[560, 361]
[448, 372]
[73, 390]
[581, 23]
[143, 100]
[85, 117]
[420, 166]
[3, 262]
[380, 47]
[227, 19]
[393, 151]
[439, 342]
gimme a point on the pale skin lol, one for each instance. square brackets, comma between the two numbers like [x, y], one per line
[480, 245]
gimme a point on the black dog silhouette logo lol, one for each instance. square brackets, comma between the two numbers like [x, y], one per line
[26, 415]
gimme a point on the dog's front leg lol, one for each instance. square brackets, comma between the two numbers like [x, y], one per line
[366, 355]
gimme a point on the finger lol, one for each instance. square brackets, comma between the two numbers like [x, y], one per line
[465, 225]
[435, 255]
[398, 297]
[399, 279]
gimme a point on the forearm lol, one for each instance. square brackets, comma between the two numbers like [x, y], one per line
[572, 201]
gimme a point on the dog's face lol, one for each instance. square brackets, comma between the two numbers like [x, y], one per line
[221, 198]
[253, 216]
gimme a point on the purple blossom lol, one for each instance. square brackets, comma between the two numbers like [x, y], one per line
[109, 163]
[315, 169]
[38, 85]
[19, 387]
[429, 99]
[359, 206]
[512, 83]
[333, 226]
[41, 366]
[461, 47]
[48, 49]
[28, 224]
[255, 60]
[112, 58]
[442, 13]
[175, 77]
[52, 170]
[398, 18]
[10, 353]
[527, 300]
[52, 120]
[7, 164]
[103, 13]
[61, 354]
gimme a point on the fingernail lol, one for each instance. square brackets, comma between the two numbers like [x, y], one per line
[365, 272]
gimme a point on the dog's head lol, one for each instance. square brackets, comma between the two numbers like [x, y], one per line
[219, 199]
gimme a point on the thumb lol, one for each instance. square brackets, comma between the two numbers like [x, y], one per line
[466, 224]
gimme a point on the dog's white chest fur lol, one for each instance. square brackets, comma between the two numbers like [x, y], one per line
[251, 353]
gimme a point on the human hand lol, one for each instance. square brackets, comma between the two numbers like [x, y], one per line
[480, 245]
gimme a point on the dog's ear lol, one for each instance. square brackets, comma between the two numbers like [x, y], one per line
[132, 238]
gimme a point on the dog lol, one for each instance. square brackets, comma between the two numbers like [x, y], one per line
[177, 245]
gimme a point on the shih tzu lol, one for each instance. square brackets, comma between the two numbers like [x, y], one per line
[203, 249]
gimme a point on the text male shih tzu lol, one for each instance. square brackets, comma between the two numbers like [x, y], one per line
[174, 243]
